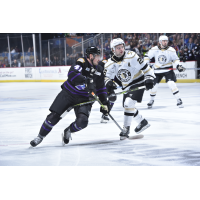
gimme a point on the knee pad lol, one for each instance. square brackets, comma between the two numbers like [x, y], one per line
[81, 121]
[129, 105]
[52, 119]
[172, 86]
[112, 99]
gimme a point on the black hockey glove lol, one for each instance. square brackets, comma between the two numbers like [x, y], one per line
[110, 85]
[149, 82]
[89, 85]
[180, 68]
[106, 108]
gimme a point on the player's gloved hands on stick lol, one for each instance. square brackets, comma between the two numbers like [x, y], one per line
[149, 82]
[180, 68]
[89, 85]
[106, 108]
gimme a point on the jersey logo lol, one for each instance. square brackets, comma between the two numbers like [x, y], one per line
[162, 59]
[81, 60]
[98, 73]
[124, 75]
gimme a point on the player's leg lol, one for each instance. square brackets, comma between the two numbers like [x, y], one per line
[104, 118]
[60, 104]
[153, 91]
[171, 79]
[81, 122]
[131, 112]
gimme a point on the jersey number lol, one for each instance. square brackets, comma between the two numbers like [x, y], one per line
[140, 60]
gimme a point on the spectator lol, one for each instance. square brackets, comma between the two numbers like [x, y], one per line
[190, 45]
[182, 56]
[186, 40]
[73, 55]
[2, 65]
[129, 36]
[15, 63]
[54, 62]
[175, 46]
[29, 49]
[135, 49]
[37, 62]
[58, 61]
[12, 50]
[43, 61]
[46, 62]
[127, 46]
[68, 61]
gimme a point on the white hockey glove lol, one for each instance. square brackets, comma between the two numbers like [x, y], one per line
[180, 68]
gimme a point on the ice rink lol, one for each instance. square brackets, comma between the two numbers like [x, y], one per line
[173, 138]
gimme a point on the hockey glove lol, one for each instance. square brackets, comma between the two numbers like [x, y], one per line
[106, 108]
[89, 85]
[149, 82]
[110, 85]
[180, 68]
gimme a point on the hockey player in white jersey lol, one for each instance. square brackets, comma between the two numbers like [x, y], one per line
[164, 57]
[130, 72]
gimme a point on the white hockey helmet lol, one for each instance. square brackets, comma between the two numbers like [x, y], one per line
[116, 42]
[161, 38]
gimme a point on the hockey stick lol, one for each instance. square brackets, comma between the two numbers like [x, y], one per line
[92, 93]
[88, 102]
[131, 90]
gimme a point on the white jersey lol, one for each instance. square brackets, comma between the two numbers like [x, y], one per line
[129, 71]
[164, 58]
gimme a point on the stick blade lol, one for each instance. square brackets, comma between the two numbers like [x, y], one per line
[136, 137]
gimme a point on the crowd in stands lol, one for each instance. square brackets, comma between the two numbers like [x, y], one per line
[186, 46]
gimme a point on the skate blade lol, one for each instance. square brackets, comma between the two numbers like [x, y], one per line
[181, 106]
[147, 126]
[149, 107]
[122, 138]
[135, 137]
[104, 121]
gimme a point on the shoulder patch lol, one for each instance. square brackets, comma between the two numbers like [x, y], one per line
[104, 61]
[81, 60]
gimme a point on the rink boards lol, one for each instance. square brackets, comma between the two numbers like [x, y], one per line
[59, 74]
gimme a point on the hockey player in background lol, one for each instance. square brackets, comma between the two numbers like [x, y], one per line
[164, 57]
[84, 77]
[110, 90]
[131, 72]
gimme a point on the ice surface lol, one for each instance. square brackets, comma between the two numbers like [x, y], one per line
[173, 138]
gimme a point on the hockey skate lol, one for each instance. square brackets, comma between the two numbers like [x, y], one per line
[180, 103]
[124, 134]
[142, 126]
[104, 119]
[36, 141]
[150, 104]
[66, 136]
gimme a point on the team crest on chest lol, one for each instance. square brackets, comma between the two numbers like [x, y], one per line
[162, 59]
[124, 75]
